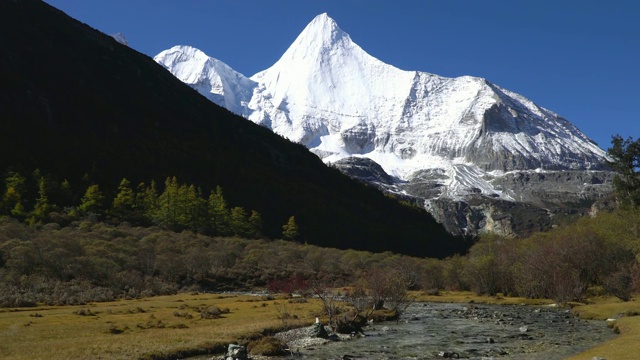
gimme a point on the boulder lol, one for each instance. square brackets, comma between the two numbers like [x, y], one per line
[318, 330]
[236, 352]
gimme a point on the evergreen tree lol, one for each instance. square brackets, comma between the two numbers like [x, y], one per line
[240, 223]
[290, 230]
[65, 197]
[181, 206]
[124, 203]
[219, 213]
[93, 201]
[18, 211]
[255, 224]
[192, 208]
[43, 207]
[167, 214]
[147, 202]
[13, 198]
[626, 162]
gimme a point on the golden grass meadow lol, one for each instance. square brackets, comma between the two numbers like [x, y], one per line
[167, 327]
[149, 328]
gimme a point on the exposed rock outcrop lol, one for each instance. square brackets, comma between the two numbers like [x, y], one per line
[537, 200]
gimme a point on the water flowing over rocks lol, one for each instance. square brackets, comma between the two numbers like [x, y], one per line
[459, 331]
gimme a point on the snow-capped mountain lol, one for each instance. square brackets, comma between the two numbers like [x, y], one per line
[210, 77]
[327, 93]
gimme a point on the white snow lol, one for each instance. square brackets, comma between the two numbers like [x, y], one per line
[328, 94]
[120, 38]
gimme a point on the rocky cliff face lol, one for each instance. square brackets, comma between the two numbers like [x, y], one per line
[541, 199]
[436, 139]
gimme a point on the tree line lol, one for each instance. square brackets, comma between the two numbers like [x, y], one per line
[91, 261]
[159, 243]
[40, 199]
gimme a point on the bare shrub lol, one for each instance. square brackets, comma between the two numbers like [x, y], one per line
[84, 312]
[267, 346]
[182, 314]
[285, 314]
[152, 323]
[288, 285]
[388, 288]
[329, 299]
[211, 312]
[114, 329]
[619, 284]
[433, 275]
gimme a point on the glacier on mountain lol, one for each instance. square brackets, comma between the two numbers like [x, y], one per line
[328, 94]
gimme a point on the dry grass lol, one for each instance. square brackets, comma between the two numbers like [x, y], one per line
[626, 346]
[152, 328]
[471, 297]
[171, 326]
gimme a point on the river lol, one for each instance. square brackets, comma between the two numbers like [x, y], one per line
[467, 331]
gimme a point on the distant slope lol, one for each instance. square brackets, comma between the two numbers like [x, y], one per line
[75, 101]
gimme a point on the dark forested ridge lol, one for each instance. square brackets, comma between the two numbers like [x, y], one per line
[76, 104]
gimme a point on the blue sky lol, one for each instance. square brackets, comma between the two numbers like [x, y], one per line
[578, 58]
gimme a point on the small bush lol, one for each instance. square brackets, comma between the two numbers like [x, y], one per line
[84, 312]
[433, 292]
[113, 329]
[211, 312]
[182, 314]
[267, 346]
[153, 323]
[178, 326]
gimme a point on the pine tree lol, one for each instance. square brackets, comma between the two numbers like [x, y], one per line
[65, 196]
[167, 204]
[93, 201]
[219, 213]
[43, 207]
[147, 202]
[124, 203]
[13, 198]
[290, 230]
[626, 162]
[192, 208]
[255, 223]
[239, 222]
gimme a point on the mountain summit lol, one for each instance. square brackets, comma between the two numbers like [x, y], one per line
[77, 105]
[438, 137]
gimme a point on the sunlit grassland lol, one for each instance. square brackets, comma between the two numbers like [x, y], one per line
[626, 346]
[159, 327]
[171, 326]
[471, 297]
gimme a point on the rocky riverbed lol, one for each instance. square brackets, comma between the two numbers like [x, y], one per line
[465, 331]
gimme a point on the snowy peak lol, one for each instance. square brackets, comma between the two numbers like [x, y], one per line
[324, 69]
[210, 77]
[328, 94]
[322, 31]
[320, 47]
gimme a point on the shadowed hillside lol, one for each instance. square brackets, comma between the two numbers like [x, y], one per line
[73, 101]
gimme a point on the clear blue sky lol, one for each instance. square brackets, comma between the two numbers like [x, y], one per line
[578, 58]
